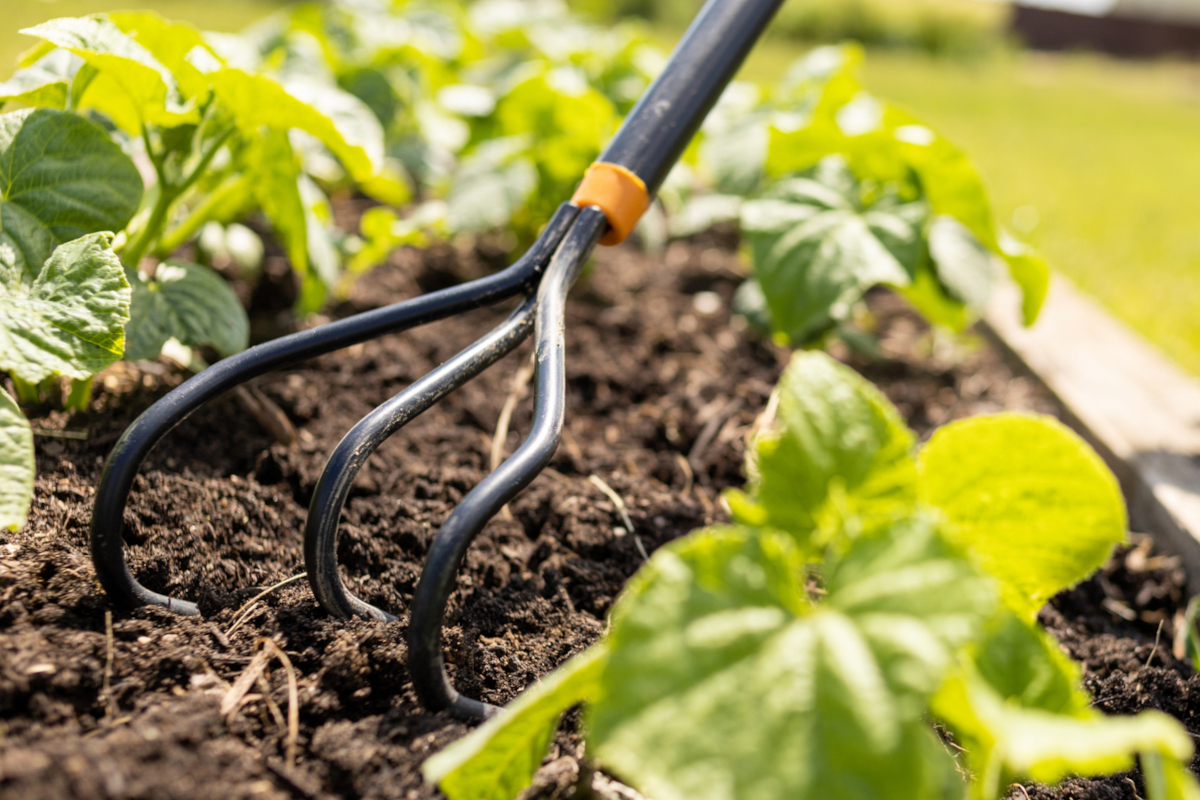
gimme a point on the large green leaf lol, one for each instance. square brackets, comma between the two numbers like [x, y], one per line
[818, 243]
[837, 449]
[497, 760]
[60, 178]
[16, 463]
[341, 121]
[723, 682]
[70, 318]
[131, 86]
[186, 302]
[1027, 498]
[1018, 709]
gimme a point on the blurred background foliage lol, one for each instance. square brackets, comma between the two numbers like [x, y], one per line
[1092, 159]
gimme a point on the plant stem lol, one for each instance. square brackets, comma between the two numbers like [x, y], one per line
[134, 251]
[80, 395]
[168, 193]
[199, 215]
[27, 393]
[204, 161]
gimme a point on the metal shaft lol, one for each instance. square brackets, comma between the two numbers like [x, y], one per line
[425, 660]
[352, 452]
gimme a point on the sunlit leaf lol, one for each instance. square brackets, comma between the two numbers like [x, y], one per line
[131, 86]
[723, 682]
[171, 43]
[836, 449]
[497, 760]
[1028, 498]
[16, 463]
[338, 119]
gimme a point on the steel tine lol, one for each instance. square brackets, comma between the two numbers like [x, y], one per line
[107, 543]
[352, 452]
[425, 658]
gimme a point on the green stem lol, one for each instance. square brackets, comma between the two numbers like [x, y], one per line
[204, 161]
[80, 395]
[168, 193]
[27, 393]
[200, 215]
[134, 251]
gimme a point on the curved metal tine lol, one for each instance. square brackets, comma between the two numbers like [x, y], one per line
[352, 452]
[425, 659]
[107, 544]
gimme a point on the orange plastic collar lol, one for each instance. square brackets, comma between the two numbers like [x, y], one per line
[616, 191]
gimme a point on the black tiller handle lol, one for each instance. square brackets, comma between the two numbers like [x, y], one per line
[671, 110]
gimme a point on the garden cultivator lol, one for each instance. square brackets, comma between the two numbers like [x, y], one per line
[614, 193]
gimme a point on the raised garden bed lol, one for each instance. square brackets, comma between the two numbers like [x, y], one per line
[663, 387]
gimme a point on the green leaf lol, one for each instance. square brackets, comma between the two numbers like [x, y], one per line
[1029, 269]
[171, 43]
[1168, 779]
[323, 258]
[491, 185]
[702, 212]
[16, 463]
[498, 759]
[186, 302]
[734, 142]
[131, 86]
[837, 449]
[964, 266]
[829, 114]
[60, 177]
[723, 682]
[341, 121]
[276, 185]
[42, 84]
[1033, 504]
[383, 231]
[1007, 742]
[930, 297]
[818, 243]
[69, 319]
[1025, 665]
[568, 120]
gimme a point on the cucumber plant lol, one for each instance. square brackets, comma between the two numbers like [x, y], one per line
[86, 274]
[835, 192]
[861, 592]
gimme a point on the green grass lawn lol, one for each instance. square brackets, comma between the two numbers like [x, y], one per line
[213, 15]
[1103, 155]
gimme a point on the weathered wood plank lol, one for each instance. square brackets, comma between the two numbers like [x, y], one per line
[1140, 411]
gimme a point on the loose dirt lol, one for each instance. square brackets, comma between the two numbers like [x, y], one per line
[663, 388]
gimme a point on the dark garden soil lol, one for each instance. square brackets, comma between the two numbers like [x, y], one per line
[663, 389]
